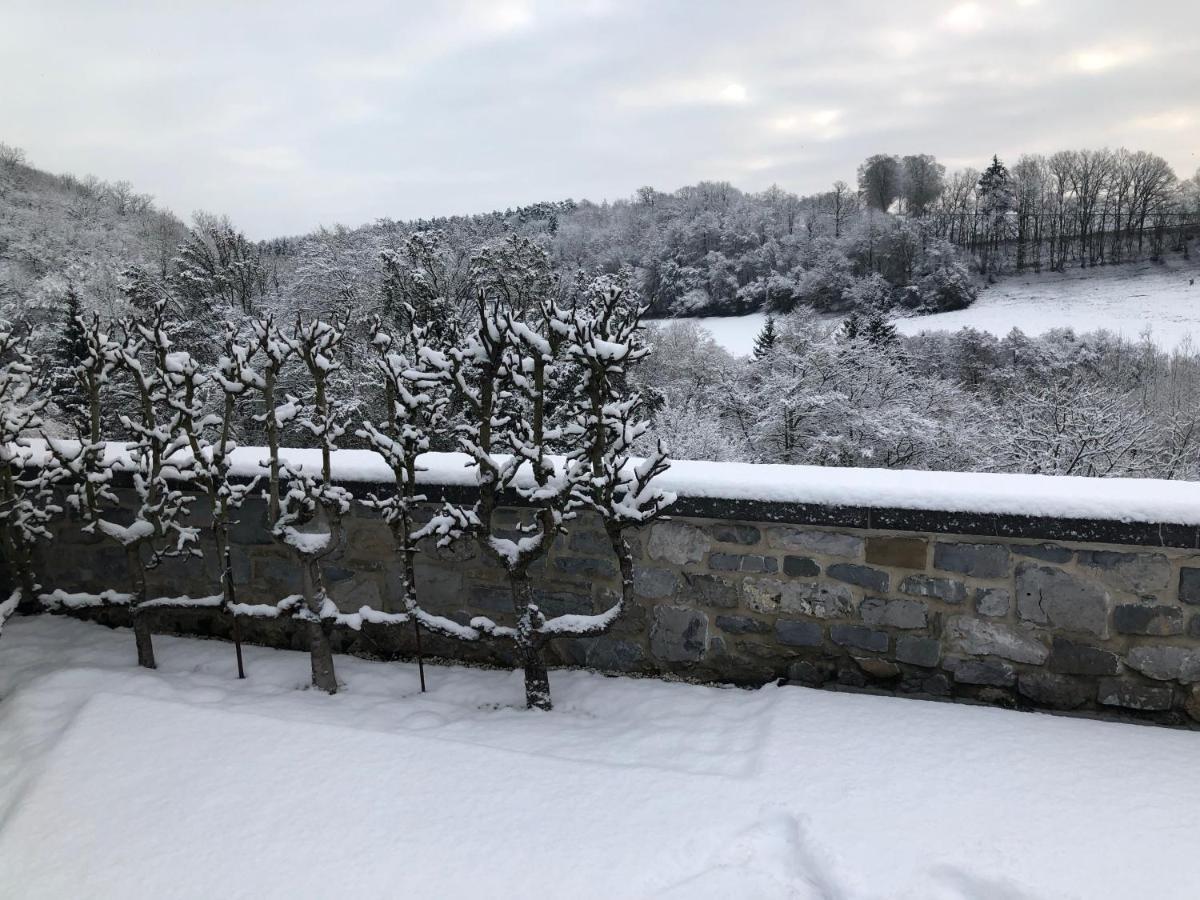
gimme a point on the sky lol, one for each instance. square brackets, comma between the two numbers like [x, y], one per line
[286, 116]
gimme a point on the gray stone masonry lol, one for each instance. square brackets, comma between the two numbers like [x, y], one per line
[1107, 629]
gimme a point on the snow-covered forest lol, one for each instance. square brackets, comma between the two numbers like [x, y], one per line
[830, 381]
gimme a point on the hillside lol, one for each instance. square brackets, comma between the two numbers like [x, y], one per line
[59, 229]
[1161, 299]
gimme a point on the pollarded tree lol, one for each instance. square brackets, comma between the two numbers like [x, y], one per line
[210, 437]
[309, 519]
[159, 466]
[415, 402]
[502, 374]
[26, 499]
[605, 342]
[506, 372]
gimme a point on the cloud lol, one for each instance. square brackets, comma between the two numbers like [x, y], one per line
[1104, 58]
[287, 113]
[965, 18]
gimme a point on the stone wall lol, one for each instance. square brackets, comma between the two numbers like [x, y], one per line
[982, 614]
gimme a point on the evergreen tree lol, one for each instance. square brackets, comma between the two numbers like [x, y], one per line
[67, 352]
[879, 332]
[764, 343]
[851, 328]
[995, 189]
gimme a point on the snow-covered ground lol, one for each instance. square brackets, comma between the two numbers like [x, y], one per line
[1124, 299]
[184, 782]
[735, 333]
[1129, 300]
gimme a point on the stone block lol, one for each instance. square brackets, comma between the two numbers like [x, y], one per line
[983, 638]
[976, 560]
[656, 584]
[1137, 618]
[490, 597]
[1189, 585]
[947, 590]
[827, 543]
[435, 582]
[742, 625]
[1045, 552]
[590, 568]
[734, 533]
[800, 566]
[738, 562]
[605, 653]
[677, 543]
[587, 541]
[877, 668]
[993, 602]
[249, 527]
[1069, 658]
[918, 651]
[859, 636]
[763, 595]
[1133, 695]
[880, 612]
[678, 634]
[563, 602]
[1165, 663]
[1194, 626]
[1053, 691]
[1049, 595]
[708, 590]
[1140, 573]
[811, 672]
[863, 576]
[982, 671]
[900, 552]
[798, 633]
[816, 598]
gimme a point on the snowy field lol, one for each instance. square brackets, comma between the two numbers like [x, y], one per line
[1124, 299]
[183, 782]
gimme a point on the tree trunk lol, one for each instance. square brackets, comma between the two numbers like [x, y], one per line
[537, 678]
[529, 645]
[143, 639]
[221, 538]
[141, 625]
[319, 649]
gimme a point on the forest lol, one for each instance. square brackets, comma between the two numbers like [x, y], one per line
[830, 383]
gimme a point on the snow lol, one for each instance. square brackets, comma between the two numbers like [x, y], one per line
[1127, 300]
[735, 333]
[1111, 499]
[185, 782]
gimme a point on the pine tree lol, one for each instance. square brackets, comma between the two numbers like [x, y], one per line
[764, 343]
[995, 189]
[851, 328]
[67, 352]
[879, 332]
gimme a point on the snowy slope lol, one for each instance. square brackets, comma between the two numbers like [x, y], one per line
[1128, 300]
[183, 782]
[1124, 299]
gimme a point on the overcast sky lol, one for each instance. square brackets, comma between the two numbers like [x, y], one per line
[291, 115]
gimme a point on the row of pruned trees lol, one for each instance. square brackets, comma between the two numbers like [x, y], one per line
[514, 382]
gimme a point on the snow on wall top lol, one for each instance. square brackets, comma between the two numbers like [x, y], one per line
[1057, 497]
